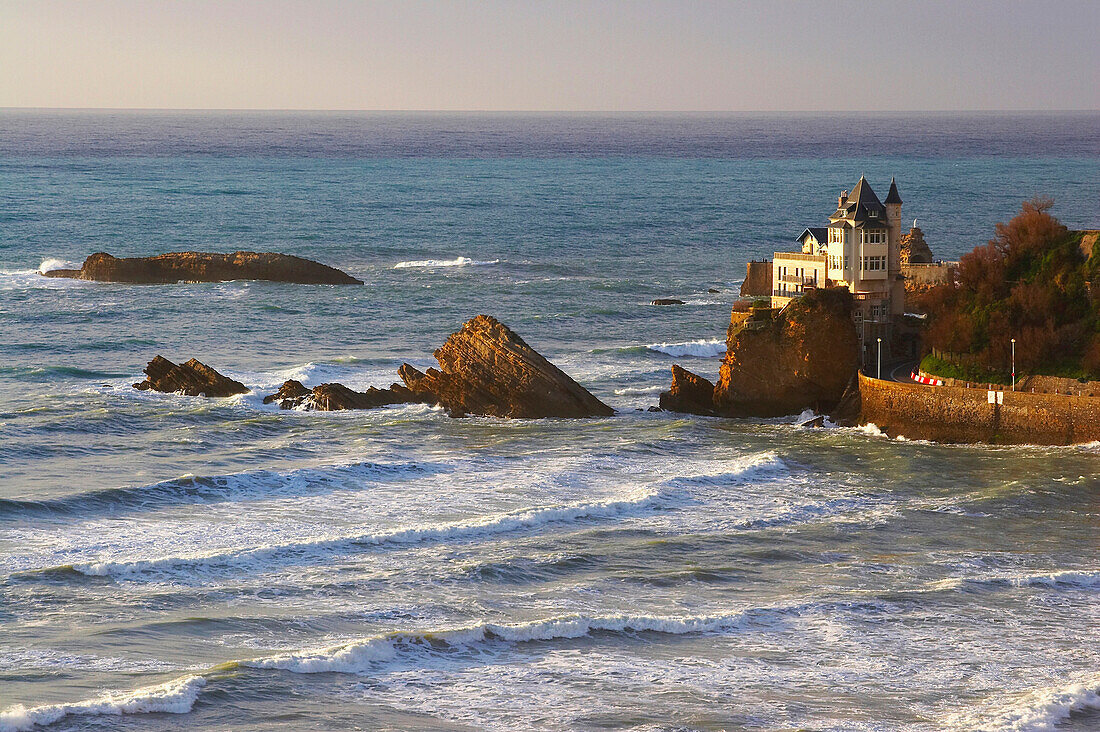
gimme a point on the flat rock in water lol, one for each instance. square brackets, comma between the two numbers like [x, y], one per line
[206, 267]
[335, 397]
[667, 301]
[486, 369]
[192, 378]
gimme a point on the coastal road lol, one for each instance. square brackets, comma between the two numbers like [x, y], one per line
[902, 372]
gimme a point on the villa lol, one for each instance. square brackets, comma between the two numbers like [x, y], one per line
[860, 249]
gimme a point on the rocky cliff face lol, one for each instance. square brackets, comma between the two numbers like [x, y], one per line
[758, 280]
[689, 393]
[206, 267]
[804, 359]
[486, 369]
[914, 249]
[192, 378]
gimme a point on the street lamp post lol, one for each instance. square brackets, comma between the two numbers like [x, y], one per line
[880, 358]
[1013, 364]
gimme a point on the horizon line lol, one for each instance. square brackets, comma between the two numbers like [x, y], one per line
[545, 111]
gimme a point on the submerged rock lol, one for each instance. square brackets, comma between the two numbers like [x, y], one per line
[689, 393]
[206, 267]
[192, 378]
[486, 369]
[667, 301]
[334, 397]
[804, 358]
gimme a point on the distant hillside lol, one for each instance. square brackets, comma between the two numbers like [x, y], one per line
[1035, 281]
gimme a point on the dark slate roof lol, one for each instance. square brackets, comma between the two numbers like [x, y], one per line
[861, 202]
[893, 196]
[819, 232]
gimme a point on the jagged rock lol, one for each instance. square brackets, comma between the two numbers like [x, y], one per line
[333, 397]
[803, 359]
[667, 301]
[206, 267]
[818, 420]
[192, 378]
[486, 369]
[914, 249]
[689, 393]
[848, 409]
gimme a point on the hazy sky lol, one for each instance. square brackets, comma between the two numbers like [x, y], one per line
[527, 55]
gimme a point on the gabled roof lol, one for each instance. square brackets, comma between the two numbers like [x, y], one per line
[817, 232]
[893, 196]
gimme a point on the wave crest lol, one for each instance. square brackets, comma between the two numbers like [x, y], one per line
[702, 348]
[174, 697]
[433, 263]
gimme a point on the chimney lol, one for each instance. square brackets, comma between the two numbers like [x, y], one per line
[842, 200]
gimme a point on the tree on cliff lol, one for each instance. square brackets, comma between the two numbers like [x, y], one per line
[1031, 282]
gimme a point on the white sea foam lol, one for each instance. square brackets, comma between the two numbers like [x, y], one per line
[1076, 579]
[485, 527]
[639, 390]
[701, 348]
[48, 265]
[1041, 710]
[433, 263]
[363, 655]
[175, 697]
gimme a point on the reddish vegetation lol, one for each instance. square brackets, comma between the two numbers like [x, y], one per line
[206, 267]
[1032, 282]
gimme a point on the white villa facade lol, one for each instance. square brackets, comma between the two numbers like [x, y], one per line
[859, 249]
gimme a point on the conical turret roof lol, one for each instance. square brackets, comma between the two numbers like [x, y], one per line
[893, 196]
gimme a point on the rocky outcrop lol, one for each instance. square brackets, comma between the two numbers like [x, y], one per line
[486, 369]
[334, 397]
[914, 249]
[667, 301]
[689, 393]
[206, 267]
[802, 359]
[758, 279]
[192, 378]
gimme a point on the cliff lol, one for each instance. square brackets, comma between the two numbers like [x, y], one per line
[486, 369]
[804, 357]
[206, 267]
[758, 279]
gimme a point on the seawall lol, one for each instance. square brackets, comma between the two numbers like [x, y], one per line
[958, 414]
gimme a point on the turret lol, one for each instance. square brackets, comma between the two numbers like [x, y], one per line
[893, 203]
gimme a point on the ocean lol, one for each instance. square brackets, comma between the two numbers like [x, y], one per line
[171, 562]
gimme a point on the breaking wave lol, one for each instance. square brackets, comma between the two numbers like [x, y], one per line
[432, 263]
[1076, 579]
[208, 489]
[48, 265]
[363, 655]
[1037, 711]
[701, 348]
[174, 697]
[485, 527]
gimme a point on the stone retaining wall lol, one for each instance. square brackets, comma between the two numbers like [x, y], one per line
[957, 414]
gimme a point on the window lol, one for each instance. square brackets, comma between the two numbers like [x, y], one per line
[874, 237]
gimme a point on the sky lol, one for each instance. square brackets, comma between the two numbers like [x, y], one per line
[569, 55]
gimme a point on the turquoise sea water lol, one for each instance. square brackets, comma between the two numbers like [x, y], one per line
[172, 562]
